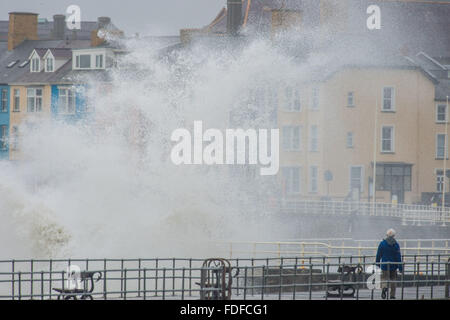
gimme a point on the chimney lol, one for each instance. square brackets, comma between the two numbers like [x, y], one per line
[234, 16]
[283, 19]
[22, 26]
[105, 29]
[103, 22]
[59, 26]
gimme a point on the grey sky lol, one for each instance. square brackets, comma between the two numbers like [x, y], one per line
[148, 17]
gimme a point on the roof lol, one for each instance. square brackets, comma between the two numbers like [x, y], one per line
[16, 74]
[442, 90]
[414, 25]
[45, 29]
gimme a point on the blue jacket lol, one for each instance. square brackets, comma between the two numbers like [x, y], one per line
[389, 251]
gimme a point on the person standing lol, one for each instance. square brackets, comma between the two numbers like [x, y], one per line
[390, 259]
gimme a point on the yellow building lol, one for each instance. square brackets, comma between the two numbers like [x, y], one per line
[358, 116]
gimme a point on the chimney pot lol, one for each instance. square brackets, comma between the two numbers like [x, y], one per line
[234, 16]
[59, 28]
[103, 22]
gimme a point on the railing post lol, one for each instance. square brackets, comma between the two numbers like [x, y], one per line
[139, 277]
[13, 291]
[42, 285]
[447, 278]
[145, 283]
[31, 277]
[104, 279]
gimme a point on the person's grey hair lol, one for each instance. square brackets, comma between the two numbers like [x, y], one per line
[390, 233]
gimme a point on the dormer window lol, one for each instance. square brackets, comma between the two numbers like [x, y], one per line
[91, 58]
[49, 64]
[83, 61]
[99, 61]
[35, 64]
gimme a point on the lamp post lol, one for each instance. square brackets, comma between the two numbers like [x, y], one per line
[374, 173]
[444, 173]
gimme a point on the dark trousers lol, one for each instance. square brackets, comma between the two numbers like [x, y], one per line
[389, 278]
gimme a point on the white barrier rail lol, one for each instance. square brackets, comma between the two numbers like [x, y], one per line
[408, 213]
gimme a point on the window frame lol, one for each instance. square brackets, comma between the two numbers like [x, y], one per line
[3, 137]
[392, 150]
[311, 179]
[78, 61]
[351, 102]
[35, 98]
[35, 64]
[47, 69]
[313, 139]
[70, 94]
[289, 190]
[289, 143]
[16, 103]
[440, 177]
[15, 137]
[3, 100]
[351, 145]
[445, 151]
[392, 99]
[445, 113]
[102, 60]
[315, 92]
[361, 178]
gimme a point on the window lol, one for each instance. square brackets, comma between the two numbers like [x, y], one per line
[387, 139]
[292, 96]
[393, 176]
[3, 137]
[99, 61]
[66, 101]
[439, 180]
[15, 137]
[440, 146]
[349, 139]
[35, 65]
[272, 98]
[441, 114]
[313, 139]
[291, 179]
[315, 99]
[34, 99]
[313, 175]
[49, 64]
[388, 99]
[356, 178]
[4, 101]
[350, 99]
[83, 61]
[16, 107]
[291, 138]
[23, 64]
[12, 64]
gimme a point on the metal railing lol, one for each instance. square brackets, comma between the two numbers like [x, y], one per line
[408, 213]
[326, 247]
[424, 277]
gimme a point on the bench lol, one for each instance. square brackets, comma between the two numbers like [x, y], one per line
[84, 293]
[344, 287]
